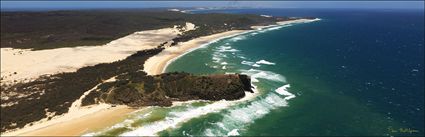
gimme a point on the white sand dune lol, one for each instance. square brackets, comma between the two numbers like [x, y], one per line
[31, 64]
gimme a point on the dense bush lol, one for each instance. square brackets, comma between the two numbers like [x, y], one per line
[55, 29]
[60, 90]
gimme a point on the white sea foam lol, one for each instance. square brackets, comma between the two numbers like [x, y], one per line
[275, 28]
[237, 38]
[256, 65]
[268, 16]
[237, 117]
[226, 49]
[216, 59]
[217, 56]
[265, 62]
[254, 33]
[174, 118]
[208, 132]
[284, 91]
[234, 132]
[255, 74]
[247, 63]
[271, 28]
[223, 63]
[221, 125]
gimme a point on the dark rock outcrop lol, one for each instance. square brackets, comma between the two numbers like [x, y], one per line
[137, 89]
[246, 81]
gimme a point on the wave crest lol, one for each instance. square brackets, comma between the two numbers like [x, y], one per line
[255, 74]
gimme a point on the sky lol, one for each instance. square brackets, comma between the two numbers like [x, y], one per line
[253, 4]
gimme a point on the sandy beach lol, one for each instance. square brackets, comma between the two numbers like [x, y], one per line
[94, 118]
[76, 123]
[156, 64]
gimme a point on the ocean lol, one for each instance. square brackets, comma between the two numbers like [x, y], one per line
[354, 72]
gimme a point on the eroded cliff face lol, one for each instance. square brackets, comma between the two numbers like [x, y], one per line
[138, 89]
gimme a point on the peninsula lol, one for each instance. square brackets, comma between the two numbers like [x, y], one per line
[58, 66]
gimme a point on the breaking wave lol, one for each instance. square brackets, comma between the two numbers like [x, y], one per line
[174, 118]
[272, 28]
[265, 62]
[262, 74]
[249, 63]
[226, 49]
[234, 119]
[238, 38]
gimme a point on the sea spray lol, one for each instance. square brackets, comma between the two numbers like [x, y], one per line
[262, 74]
[236, 118]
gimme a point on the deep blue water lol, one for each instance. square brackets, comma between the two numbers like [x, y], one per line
[355, 72]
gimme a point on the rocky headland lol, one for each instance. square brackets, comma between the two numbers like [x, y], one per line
[138, 89]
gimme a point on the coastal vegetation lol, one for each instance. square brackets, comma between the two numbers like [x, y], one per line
[24, 103]
[56, 29]
[52, 95]
[139, 89]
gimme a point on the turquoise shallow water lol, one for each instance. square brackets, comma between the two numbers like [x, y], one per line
[355, 72]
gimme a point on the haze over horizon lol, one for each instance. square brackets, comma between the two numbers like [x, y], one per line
[5, 5]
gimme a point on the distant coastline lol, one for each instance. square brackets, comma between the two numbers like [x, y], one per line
[216, 37]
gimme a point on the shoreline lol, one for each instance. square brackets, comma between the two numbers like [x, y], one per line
[76, 123]
[158, 63]
[88, 122]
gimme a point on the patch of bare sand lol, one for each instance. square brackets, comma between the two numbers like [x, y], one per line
[86, 120]
[18, 64]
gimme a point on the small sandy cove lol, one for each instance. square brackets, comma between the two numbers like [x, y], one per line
[83, 120]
